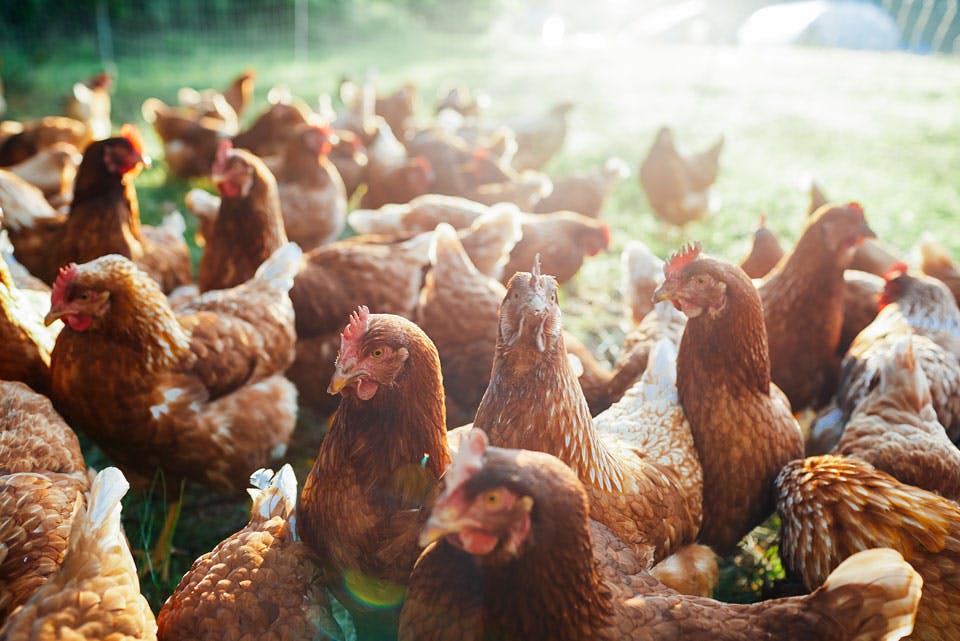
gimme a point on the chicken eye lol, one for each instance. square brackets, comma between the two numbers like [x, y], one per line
[84, 296]
[377, 353]
[701, 280]
[492, 500]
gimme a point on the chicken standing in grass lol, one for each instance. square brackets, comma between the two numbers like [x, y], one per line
[741, 422]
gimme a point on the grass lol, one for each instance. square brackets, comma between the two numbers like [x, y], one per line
[880, 128]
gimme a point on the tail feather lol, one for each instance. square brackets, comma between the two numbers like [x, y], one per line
[274, 494]
[659, 380]
[445, 247]
[279, 270]
[932, 253]
[876, 592]
[108, 488]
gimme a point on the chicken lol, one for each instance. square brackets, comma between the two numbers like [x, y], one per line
[895, 428]
[396, 183]
[584, 193]
[664, 321]
[540, 138]
[53, 171]
[765, 252]
[239, 94]
[860, 295]
[349, 156]
[458, 311]
[259, 582]
[336, 279]
[95, 594]
[25, 343]
[524, 190]
[423, 213]
[832, 507]
[377, 471]
[642, 273]
[637, 459]
[397, 108]
[461, 99]
[272, 130]
[105, 219]
[677, 186]
[935, 261]
[516, 560]
[189, 139]
[741, 422]
[803, 355]
[249, 224]
[198, 393]
[42, 478]
[916, 306]
[312, 196]
[870, 256]
[459, 167]
[31, 222]
[562, 239]
[39, 134]
[90, 104]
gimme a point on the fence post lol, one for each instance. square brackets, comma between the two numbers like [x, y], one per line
[105, 37]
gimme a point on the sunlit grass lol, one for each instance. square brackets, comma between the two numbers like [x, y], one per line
[879, 128]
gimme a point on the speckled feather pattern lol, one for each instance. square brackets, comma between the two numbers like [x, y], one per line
[199, 395]
[832, 507]
[95, 594]
[26, 342]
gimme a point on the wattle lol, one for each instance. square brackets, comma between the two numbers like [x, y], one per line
[79, 322]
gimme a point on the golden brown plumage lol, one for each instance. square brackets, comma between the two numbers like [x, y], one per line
[312, 196]
[677, 187]
[741, 422]
[39, 134]
[832, 507]
[249, 224]
[95, 594]
[896, 429]
[189, 139]
[239, 94]
[517, 561]
[936, 262]
[52, 170]
[920, 307]
[377, 471]
[199, 393]
[584, 193]
[261, 582]
[637, 459]
[765, 252]
[540, 138]
[562, 239]
[269, 134]
[42, 478]
[807, 284]
[89, 102]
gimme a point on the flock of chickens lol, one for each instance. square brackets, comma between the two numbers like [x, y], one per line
[483, 475]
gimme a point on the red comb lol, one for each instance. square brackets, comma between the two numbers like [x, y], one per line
[481, 153]
[535, 270]
[357, 326]
[65, 279]
[683, 257]
[896, 271]
[855, 206]
[220, 162]
[132, 134]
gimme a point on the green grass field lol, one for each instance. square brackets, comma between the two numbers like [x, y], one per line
[879, 128]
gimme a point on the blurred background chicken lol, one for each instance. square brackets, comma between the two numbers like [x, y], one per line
[677, 186]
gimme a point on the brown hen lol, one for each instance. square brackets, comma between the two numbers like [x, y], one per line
[895, 428]
[741, 422]
[637, 459]
[517, 562]
[935, 261]
[376, 474]
[200, 393]
[808, 284]
[42, 478]
[249, 224]
[765, 252]
[261, 582]
[95, 594]
[832, 507]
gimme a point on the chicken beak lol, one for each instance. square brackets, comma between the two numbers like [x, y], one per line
[145, 159]
[661, 294]
[867, 231]
[442, 521]
[53, 316]
[339, 381]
